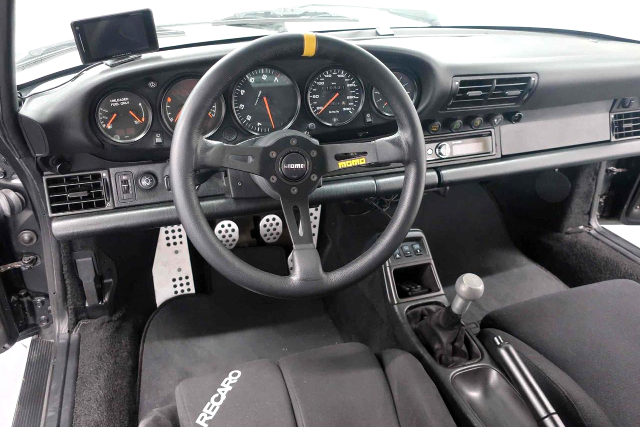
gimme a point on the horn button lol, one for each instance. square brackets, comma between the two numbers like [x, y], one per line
[294, 166]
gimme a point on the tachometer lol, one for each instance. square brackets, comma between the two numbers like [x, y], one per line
[123, 116]
[410, 86]
[174, 100]
[265, 100]
[335, 96]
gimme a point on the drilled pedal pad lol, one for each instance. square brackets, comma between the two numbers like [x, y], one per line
[314, 213]
[270, 228]
[172, 273]
[227, 232]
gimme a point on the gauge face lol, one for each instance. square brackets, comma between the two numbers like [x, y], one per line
[123, 116]
[410, 86]
[174, 100]
[265, 100]
[335, 96]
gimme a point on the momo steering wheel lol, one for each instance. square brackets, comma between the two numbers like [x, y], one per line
[288, 165]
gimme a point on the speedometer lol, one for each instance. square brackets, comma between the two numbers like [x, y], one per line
[335, 96]
[265, 100]
[174, 100]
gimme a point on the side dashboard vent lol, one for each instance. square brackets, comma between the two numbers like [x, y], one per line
[625, 125]
[490, 91]
[75, 193]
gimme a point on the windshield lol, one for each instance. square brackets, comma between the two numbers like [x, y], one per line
[44, 41]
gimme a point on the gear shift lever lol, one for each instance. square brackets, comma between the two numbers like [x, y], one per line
[440, 328]
[469, 288]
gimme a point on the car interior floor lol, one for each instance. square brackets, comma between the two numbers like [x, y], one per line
[223, 323]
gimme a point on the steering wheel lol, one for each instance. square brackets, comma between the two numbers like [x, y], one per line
[289, 164]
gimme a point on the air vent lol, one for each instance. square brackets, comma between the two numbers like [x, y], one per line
[75, 193]
[490, 91]
[625, 125]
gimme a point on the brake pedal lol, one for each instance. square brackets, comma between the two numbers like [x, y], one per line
[270, 228]
[314, 214]
[172, 273]
[227, 232]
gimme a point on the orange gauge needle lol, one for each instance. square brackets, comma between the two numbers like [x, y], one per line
[327, 104]
[112, 119]
[178, 116]
[135, 117]
[266, 103]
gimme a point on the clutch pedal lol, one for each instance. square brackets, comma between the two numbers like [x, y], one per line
[172, 273]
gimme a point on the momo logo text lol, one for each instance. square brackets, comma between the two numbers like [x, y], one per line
[213, 405]
[352, 162]
[293, 166]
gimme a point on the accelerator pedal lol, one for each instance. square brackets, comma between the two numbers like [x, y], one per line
[270, 228]
[227, 232]
[172, 273]
[314, 213]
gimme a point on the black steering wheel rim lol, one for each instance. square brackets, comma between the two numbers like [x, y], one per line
[189, 151]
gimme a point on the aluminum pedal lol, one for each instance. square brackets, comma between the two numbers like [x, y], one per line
[227, 232]
[271, 228]
[314, 213]
[172, 273]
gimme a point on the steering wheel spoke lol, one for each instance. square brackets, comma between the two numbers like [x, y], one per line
[242, 157]
[390, 149]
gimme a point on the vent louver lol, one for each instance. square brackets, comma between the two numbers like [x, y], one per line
[490, 91]
[625, 125]
[75, 193]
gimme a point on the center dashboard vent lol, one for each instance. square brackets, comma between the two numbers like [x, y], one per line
[75, 193]
[475, 92]
[625, 125]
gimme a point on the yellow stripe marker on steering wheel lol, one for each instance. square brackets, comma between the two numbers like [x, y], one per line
[310, 44]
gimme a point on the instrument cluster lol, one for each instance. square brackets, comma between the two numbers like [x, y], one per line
[262, 101]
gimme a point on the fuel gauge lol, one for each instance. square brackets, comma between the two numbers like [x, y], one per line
[123, 116]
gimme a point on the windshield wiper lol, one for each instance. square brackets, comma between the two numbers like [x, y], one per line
[276, 19]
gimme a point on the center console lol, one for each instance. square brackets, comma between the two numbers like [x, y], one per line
[470, 379]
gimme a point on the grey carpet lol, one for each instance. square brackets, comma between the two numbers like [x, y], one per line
[193, 335]
[466, 234]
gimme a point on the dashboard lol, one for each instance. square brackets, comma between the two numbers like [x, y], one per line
[491, 103]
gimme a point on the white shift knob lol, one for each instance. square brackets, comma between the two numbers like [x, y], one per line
[469, 288]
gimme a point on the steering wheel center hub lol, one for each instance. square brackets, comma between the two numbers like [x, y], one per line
[294, 166]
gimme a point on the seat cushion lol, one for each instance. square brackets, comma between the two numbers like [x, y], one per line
[339, 385]
[591, 334]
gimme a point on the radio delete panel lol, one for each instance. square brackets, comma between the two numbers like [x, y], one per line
[460, 146]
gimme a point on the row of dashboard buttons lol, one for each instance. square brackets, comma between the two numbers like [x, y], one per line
[408, 250]
[455, 125]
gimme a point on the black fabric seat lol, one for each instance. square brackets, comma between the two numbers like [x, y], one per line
[339, 385]
[583, 347]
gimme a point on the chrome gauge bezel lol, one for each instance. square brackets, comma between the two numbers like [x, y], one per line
[164, 96]
[109, 137]
[413, 100]
[235, 114]
[316, 75]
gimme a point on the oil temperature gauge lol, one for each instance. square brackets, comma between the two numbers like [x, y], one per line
[410, 86]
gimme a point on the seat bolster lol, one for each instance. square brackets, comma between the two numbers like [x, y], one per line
[417, 400]
[574, 406]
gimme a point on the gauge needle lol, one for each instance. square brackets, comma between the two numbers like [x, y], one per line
[178, 116]
[112, 118]
[134, 116]
[327, 104]
[266, 103]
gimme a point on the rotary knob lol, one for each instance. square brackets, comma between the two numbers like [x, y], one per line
[443, 150]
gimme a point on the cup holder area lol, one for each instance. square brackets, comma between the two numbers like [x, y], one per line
[415, 280]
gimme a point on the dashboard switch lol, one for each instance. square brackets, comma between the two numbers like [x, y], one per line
[147, 181]
[455, 125]
[406, 251]
[476, 122]
[443, 150]
[515, 117]
[158, 138]
[417, 249]
[125, 189]
[496, 119]
[434, 127]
